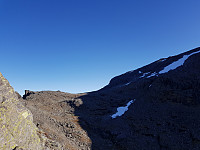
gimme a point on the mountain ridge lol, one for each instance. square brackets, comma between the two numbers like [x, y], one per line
[170, 59]
[155, 107]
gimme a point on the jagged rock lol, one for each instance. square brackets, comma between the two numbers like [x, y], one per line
[27, 93]
[17, 130]
[18, 95]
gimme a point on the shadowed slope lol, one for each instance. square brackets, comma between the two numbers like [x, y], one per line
[163, 116]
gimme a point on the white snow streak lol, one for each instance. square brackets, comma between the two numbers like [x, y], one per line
[122, 110]
[127, 83]
[144, 74]
[151, 75]
[171, 66]
[177, 63]
[163, 59]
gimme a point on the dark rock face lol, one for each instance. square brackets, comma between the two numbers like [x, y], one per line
[164, 116]
[27, 93]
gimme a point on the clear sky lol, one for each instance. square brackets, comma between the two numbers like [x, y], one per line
[79, 45]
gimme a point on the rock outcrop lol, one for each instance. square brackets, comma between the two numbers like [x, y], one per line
[17, 130]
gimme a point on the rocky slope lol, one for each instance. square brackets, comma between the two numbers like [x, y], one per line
[17, 130]
[156, 107]
[54, 114]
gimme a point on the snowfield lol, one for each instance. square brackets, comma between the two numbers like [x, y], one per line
[166, 69]
[177, 63]
[122, 110]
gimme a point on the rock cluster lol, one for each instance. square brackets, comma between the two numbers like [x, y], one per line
[54, 113]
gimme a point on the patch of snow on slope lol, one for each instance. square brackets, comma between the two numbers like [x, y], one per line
[144, 74]
[128, 83]
[122, 110]
[163, 59]
[177, 63]
[151, 75]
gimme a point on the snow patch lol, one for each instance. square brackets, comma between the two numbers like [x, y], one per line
[128, 83]
[171, 66]
[144, 74]
[163, 59]
[122, 110]
[151, 75]
[177, 63]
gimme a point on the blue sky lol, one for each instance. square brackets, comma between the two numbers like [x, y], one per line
[79, 45]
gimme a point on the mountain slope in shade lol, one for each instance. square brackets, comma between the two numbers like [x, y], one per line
[156, 107]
